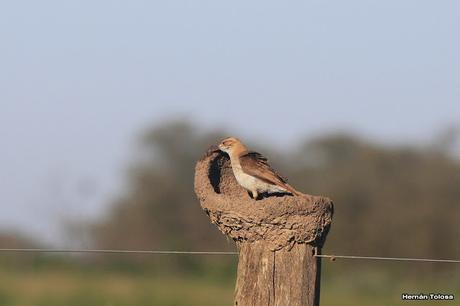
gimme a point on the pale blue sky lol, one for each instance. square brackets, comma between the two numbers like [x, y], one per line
[79, 79]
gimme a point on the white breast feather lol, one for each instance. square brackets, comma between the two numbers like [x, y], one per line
[252, 183]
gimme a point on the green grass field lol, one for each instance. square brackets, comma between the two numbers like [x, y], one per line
[58, 288]
[71, 286]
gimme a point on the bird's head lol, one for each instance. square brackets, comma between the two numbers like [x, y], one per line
[231, 145]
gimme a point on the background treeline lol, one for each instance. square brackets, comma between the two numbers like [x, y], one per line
[398, 200]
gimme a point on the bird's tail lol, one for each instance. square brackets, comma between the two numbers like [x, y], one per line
[292, 190]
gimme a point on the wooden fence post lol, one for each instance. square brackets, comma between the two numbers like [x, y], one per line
[277, 236]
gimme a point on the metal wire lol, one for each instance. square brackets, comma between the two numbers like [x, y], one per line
[333, 257]
[166, 252]
[114, 251]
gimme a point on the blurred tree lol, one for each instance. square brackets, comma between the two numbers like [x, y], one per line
[14, 240]
[159, 209]
[398, 201]
[390, 201]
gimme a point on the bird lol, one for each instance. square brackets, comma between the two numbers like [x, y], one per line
[252, 171]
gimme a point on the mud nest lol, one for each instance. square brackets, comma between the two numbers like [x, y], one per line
[280, 220]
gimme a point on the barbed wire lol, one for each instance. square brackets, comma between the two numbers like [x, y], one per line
[174, 252]
[334, 257]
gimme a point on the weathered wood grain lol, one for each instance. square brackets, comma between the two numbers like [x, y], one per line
[277, 278]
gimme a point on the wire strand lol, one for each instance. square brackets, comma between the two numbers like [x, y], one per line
[107, 251]
[333, 257]
[173, 252]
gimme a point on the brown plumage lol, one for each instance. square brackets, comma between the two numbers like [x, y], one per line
[255, 164]
[252, 171]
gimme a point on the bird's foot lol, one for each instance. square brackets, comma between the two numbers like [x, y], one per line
[254, 195]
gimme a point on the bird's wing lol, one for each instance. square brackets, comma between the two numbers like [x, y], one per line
[255, 164]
